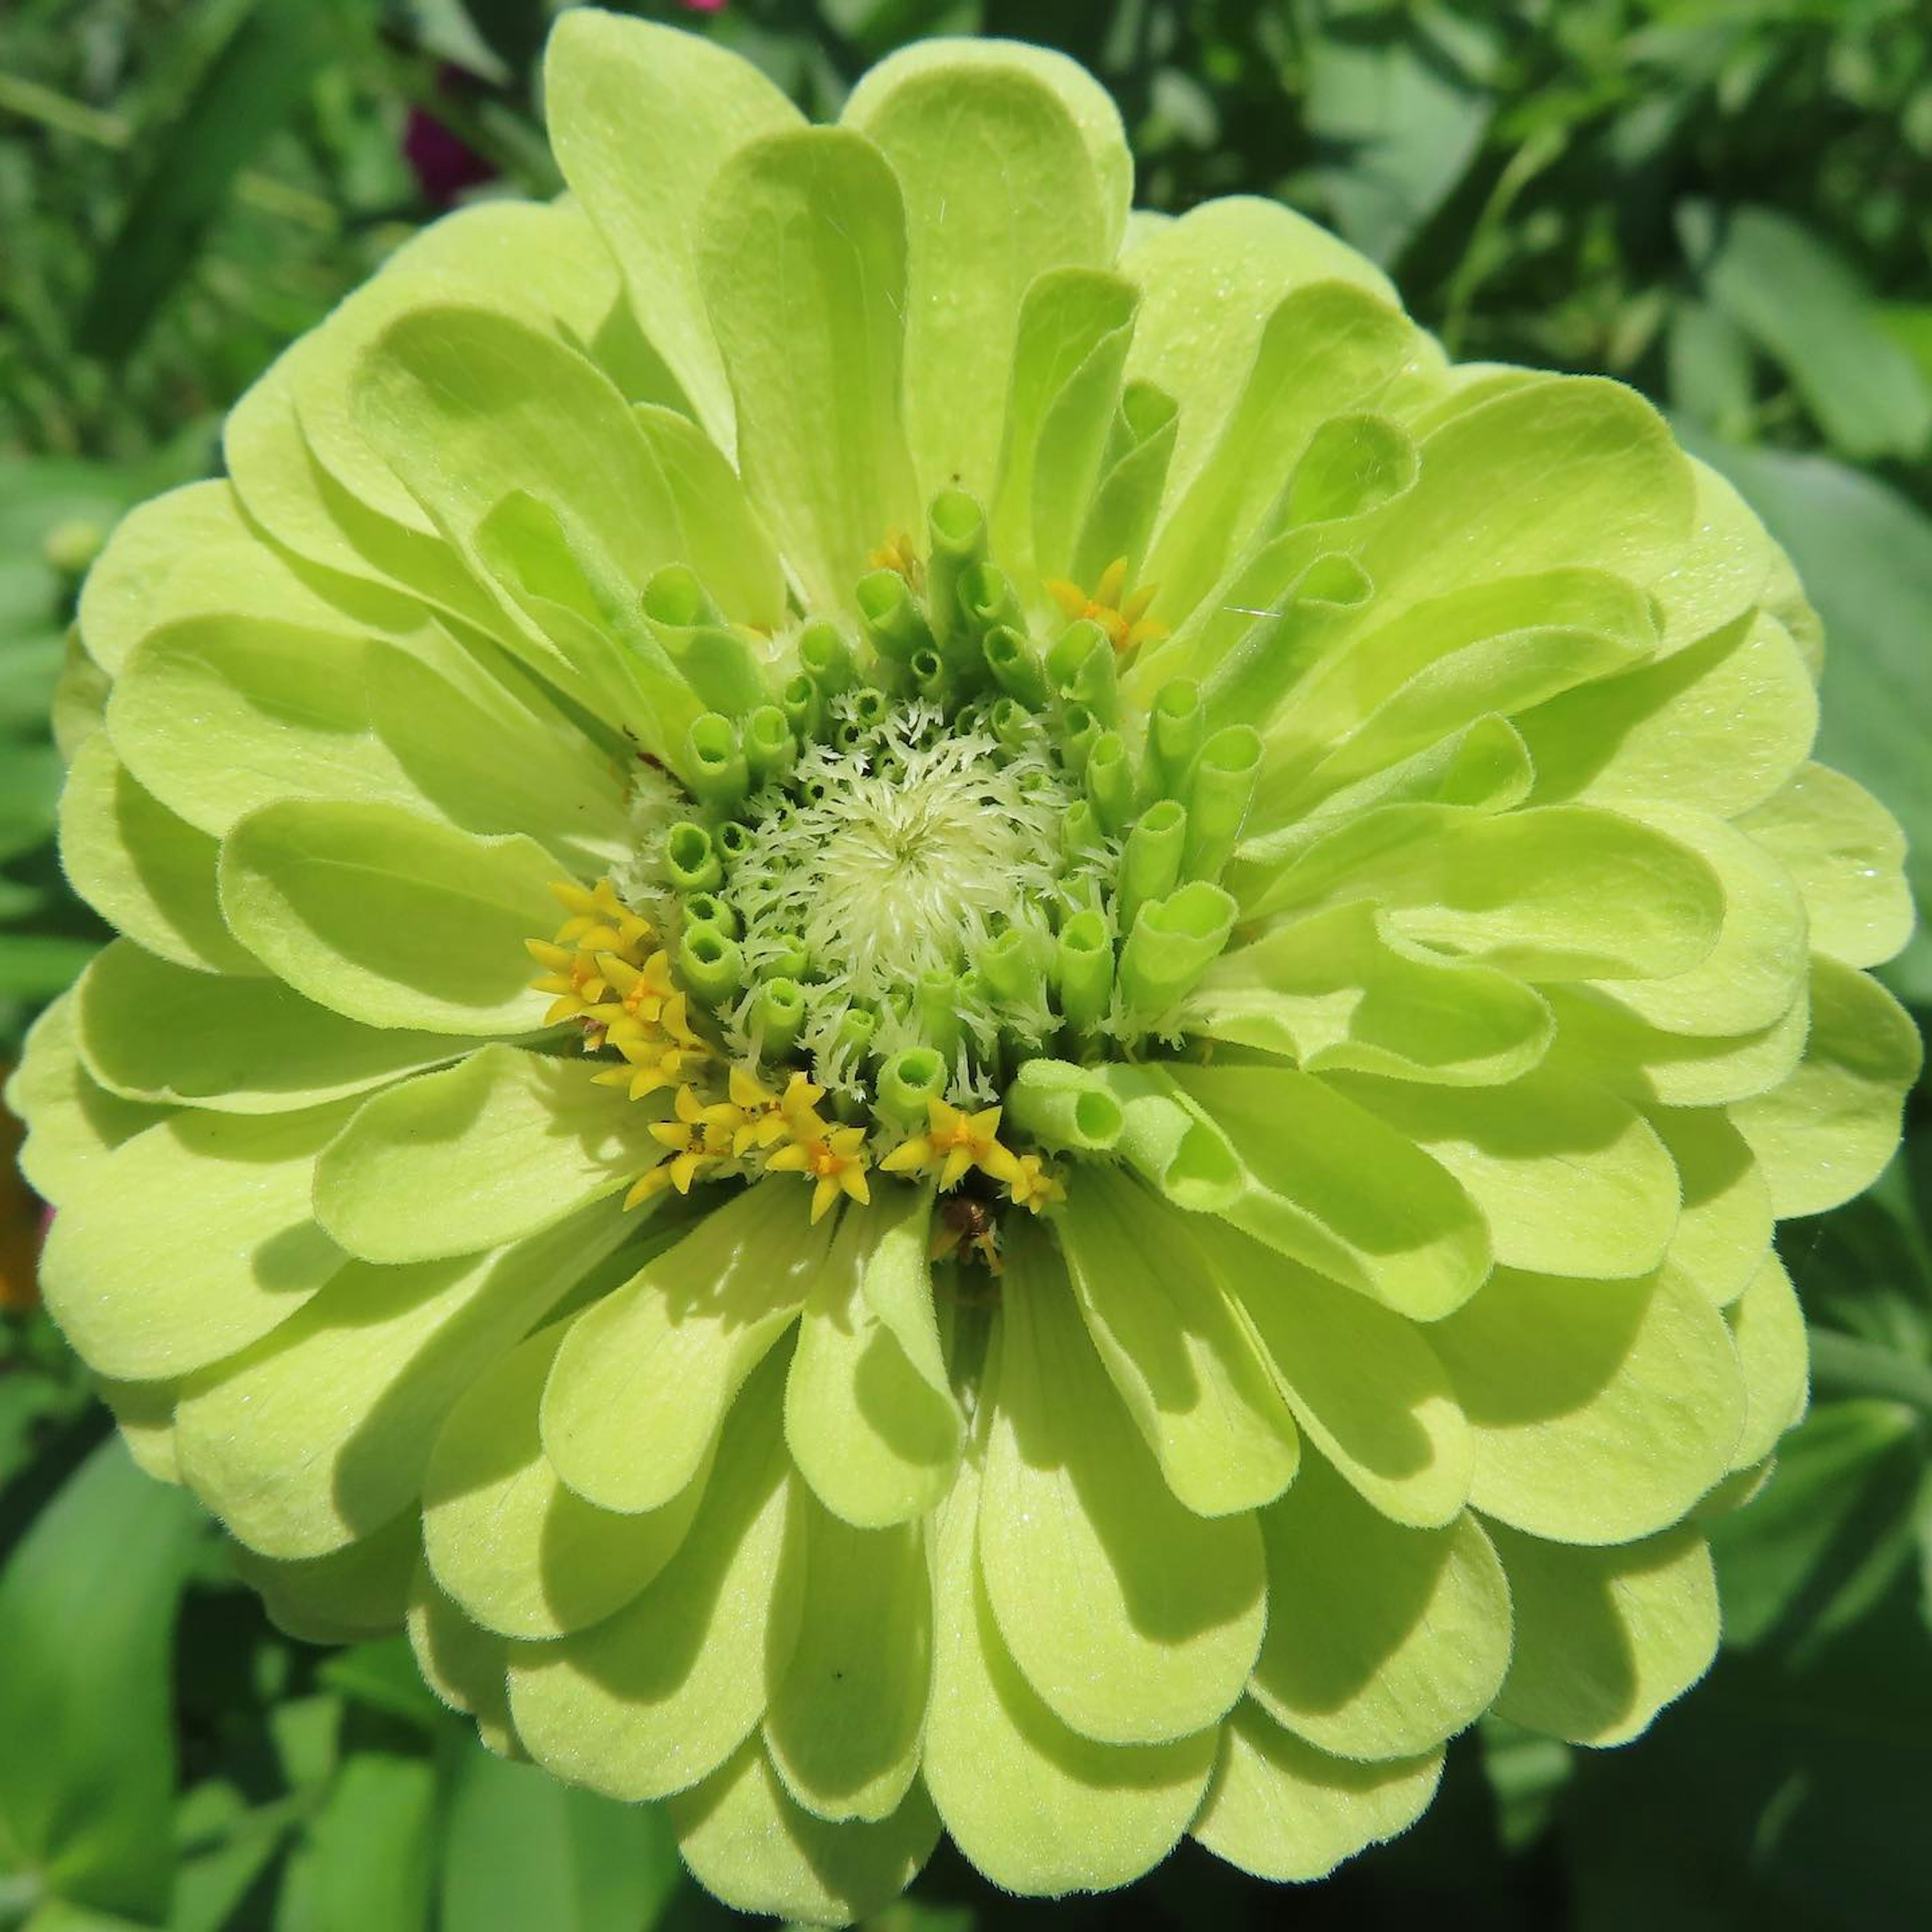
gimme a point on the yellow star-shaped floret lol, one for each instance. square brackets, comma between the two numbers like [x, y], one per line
[834, 1158]
[898, 553]
[643, 992]
[1032, 1187]
[954, 1142]
[1124, 618]
[699, 1138]
[575, 972]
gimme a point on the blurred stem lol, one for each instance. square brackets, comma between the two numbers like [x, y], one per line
[31, 101]
[1542, 147]
[1849, 1366]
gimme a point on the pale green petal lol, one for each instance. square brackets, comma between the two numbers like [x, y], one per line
[321, 1432]
[1325, 1182]
[1282, 1809]
[79, 697]
[1326, 348]
[1089, 106]
[389, 918]
[523, 1555]
[157, 1033]
[802, 261]
[846, 1717]
[1601, 1411]
[1559, 471]
[897, 1283]
[725, 543]
[360, 1591]
[1190, 1377]
[1845, 853]
[466, 1666]
[190, 1241]
[1037, 1807]
[503, 1144]
[1606, 1638]
[189, 553]
[746, 1841]
[1136, 1621]
[332, 537]
[145, 871]
[1571, 1180]
[476, 737]
[873, 1435]
[1382, 1640]
[1210, 282]
[1724, 1231]
[643, 117]
[144, 1415]
[999, 188]
[474, 410]
[1336, 990]
[217, 714]
[1767, 1329]
[1599, 1039]
[72, 1123]
[1756, 972]
[1724, 572]
[1827, 1133]
[1721, 726]
[1559, 892]
[658, 1697]
[1069, 350]
[543, 265]
[642, 1382]
[1363, 1383]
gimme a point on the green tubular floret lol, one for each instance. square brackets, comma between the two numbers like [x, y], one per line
[715, 661]
[895, 627]
[803, 704]
[1218, 796]
[852, 1038]
[1096, 681]
[1176, 726]
[1016, 666]
[988, 599]
[1080, 836]
[733, 840]
[1012, 968]
[708, 909]
[1065, 1107]
[907, 1081]
[958, 528]
[690, 859]
[1084, 971]
[826, 658]
[778, 1017]
[1070, 651]
[1173, 942]
[770, 749]
[719, 773]
[1110, 781]
[1013, 724]
[930, 679]
[936, 1002]
[1079, 731]
[1150, 862]
[710, 964]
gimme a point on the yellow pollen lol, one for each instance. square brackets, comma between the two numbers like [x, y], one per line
[898, 552]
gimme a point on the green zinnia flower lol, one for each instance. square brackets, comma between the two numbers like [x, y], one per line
[1183, 955]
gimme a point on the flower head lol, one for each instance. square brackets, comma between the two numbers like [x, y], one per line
[1196, 951]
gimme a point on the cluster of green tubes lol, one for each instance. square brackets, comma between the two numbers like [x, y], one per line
[1152, 812]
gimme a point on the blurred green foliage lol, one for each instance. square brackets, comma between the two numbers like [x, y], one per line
[1727, 202]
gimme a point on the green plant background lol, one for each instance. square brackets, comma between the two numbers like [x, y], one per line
[1726, 203]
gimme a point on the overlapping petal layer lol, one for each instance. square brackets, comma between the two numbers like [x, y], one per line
[1413, 1281]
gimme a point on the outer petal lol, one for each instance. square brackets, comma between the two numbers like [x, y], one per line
[659, 1696]
[802, 260]
[1602, 1410]
[999, 187]
[1037, 1807]
[1382, 1640]
[747, 1841]
[388, 918]
[643, 117]
[72, 1123]
[190, 1241]
[642, 1384]
[1767, 1329]
[846, 1717]
[1136, 1621]
[321, 1433]
[503, 1144]
[1606, 1638]
[1282, 1809]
